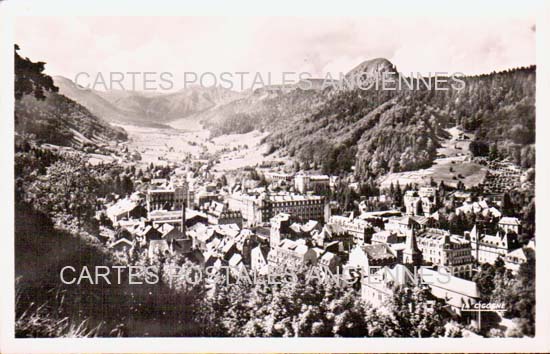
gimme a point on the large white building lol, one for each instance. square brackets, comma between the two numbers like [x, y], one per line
[422, 202]
[315, 183]
[261, 208]
[510, 224]
[487, 248]
[168, 198]
[452, 252]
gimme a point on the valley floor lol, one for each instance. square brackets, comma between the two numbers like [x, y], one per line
[189, 139]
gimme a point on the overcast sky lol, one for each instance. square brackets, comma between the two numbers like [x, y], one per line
[316, 45]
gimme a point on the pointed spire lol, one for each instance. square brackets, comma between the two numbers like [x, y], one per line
[410, 245]
[411, 253]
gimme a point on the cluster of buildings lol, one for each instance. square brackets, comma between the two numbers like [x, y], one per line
[264, 230]
[478, 207]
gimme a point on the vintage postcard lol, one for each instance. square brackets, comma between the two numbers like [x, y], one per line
[190, 180]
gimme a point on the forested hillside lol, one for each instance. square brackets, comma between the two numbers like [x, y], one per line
[51, 117]
[393, 130]
[261, 110]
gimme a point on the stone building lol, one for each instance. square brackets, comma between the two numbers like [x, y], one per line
[422, 202]
[170, 198]
[311, 183]
[442, 249]
[259, 209]
[487, 248]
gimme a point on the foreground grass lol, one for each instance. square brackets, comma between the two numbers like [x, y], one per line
[49, 320]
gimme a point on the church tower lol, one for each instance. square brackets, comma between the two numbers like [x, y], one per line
[280, 224]
[411, 253]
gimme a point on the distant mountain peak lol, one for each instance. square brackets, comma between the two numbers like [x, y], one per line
[369, 71]
[372, 68]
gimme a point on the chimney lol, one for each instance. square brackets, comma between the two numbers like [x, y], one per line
[183, 219]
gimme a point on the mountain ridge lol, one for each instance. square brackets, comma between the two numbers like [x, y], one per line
[146, 108]
[374, 131]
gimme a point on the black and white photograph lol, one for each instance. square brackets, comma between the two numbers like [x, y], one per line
[185, 176]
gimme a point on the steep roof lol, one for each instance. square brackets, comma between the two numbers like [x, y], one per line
[328, 256]
[123, 206]
[507, 220]
[378, 251]
[121, 241]
[235, 260]
[448, 282]
[518, 253]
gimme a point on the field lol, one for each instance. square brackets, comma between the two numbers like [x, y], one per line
[187, 138]
[452, 165]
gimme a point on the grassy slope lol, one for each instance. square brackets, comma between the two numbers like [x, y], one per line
[45, 307]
